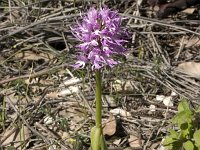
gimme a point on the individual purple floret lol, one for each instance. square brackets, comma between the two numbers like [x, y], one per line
[101, 37]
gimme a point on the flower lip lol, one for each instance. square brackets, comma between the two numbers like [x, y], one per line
[101, 37]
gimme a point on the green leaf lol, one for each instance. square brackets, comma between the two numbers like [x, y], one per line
[172, 144]
[181, 118]
[186, 130]
[173, 134]
[188, 145]
[197, 147]
[103, 143]
[196, 137]
[168, 141]
[183, 106]
[184, 126]
[95, 138]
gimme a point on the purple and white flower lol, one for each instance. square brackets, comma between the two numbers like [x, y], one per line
[101, 37]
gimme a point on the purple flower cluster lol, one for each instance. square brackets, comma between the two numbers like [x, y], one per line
[101, 37]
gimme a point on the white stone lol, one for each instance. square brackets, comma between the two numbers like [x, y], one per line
[48, 120]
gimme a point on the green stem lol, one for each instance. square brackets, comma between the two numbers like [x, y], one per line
[98, 98]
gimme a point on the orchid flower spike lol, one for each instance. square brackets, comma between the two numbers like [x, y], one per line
[101, 37]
